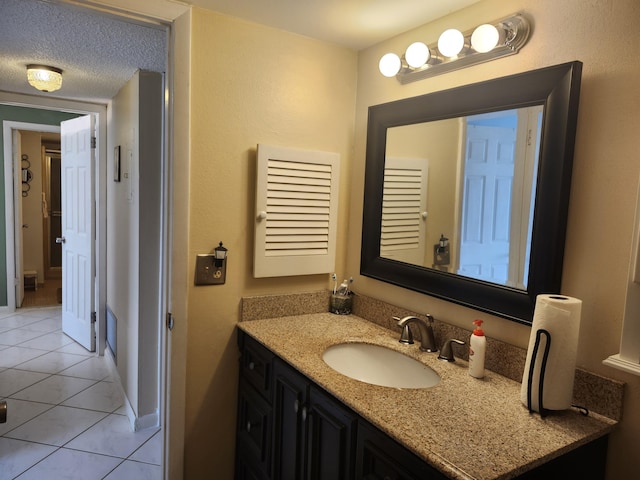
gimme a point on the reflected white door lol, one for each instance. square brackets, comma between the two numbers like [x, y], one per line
[486, 211]
[78, 266]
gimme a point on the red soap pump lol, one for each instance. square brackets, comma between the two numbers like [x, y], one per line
[477, 348]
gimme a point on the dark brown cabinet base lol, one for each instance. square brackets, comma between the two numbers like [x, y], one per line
[291, 429]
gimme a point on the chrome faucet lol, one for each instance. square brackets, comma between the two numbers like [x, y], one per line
[447, 350]
[427, 340]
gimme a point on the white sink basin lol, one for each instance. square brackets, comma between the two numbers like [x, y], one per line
[379, 366]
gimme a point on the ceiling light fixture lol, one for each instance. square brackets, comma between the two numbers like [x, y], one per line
[455, 49]
[44, 78]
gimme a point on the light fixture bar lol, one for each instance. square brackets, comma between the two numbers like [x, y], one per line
[516, 30]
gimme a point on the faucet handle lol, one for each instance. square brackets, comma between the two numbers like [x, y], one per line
[446, 353]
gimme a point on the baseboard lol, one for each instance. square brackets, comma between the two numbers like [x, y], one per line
[151, 420]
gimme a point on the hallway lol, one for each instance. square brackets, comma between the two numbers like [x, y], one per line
[66, 418]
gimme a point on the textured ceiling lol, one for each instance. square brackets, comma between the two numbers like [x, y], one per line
[99, 53]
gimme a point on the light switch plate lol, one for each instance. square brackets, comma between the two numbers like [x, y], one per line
[206, 271]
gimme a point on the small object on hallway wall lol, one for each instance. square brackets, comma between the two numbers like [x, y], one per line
[116, 164]
[27, 174]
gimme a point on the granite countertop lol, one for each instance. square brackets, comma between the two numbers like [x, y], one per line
[465, 427]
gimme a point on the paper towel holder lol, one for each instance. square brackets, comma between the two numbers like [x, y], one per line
[543, 367]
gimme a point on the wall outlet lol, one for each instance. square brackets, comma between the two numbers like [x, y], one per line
[207, 273]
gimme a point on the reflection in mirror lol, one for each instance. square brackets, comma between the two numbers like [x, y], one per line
[482, 164]
[458, 194]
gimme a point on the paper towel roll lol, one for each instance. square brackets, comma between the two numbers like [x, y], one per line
[560, 316]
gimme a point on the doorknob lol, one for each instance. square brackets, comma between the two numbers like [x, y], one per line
[60, 240]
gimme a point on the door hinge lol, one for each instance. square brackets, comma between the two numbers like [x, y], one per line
[93, 317]
[169, 321]
[93, 142]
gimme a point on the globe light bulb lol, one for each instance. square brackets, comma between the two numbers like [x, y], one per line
[451, 42]
[417, 54]
[485, 38]
[389, 65]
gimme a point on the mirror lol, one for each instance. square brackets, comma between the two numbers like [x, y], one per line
[432, 137]
[475, 217]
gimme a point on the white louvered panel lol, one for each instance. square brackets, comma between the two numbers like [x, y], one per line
[403, 204]
[297, 195]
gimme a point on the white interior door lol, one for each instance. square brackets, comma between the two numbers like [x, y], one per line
[487, 202]
[78, 265]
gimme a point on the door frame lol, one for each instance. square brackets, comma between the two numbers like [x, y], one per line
[175, 206]
[12, 199]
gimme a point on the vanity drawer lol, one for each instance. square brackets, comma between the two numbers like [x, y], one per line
[256, 365]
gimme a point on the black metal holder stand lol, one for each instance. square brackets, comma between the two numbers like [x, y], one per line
[543, 367]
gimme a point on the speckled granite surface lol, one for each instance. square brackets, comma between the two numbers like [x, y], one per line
[455, 426]
[596, 393]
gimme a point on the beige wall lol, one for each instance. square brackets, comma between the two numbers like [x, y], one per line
[604, 36]
[250, 84]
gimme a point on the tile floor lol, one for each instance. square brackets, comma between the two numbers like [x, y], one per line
[66, 418]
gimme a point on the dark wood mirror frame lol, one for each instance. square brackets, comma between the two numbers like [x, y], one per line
[557, 88]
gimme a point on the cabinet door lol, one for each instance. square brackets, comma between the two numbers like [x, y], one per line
[330, 438]
[381, 458]
[253, 435]
[289, 421]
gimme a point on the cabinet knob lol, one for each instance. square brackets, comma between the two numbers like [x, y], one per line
[296, 406]
[248, 427]
[252, 366]
[304, 414]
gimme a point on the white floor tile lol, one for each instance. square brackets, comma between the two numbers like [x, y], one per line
[94, 368]
[48, 341]
[51, 362]
[46, 325]
[21, 411]
[111, 436]
[56, 426]
[12, 356]
[67, 464]
[54, 389]
[103, 396]
[18, 336]
[12, 380]
[76, 349]
[150, 452]
[17, 321]
[17, 456]
[129, 470]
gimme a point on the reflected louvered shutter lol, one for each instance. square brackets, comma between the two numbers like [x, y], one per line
[404, 210]
[296, 210]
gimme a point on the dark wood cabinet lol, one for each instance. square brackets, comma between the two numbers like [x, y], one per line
[291, 429]
[290, 415]
[313, 433]
[381, 458]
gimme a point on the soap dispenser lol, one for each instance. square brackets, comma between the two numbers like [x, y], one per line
[477, 348]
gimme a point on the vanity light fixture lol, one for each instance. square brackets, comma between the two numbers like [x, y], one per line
[456, 49]
[44, 78]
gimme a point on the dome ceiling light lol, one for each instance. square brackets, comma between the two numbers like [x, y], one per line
[44, 78]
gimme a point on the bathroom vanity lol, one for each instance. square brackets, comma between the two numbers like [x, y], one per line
[299, 418]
